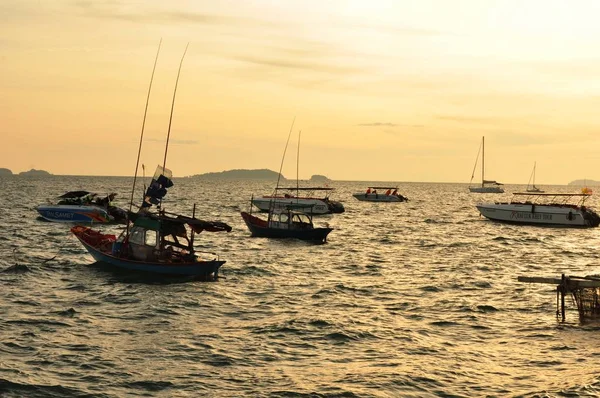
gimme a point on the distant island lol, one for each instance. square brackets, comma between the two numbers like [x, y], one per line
[241, 174]
[584, 182]
[5, 172]
[34, 173]
[319, 178]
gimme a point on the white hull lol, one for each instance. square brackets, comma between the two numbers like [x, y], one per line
[486, 189]
[372, 197]
[556, 215]
[318, 206]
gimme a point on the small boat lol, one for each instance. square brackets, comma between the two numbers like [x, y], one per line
[82, 207]
[158, 243]
[310, 200]
[286, 223]
[550, 209]
[371, 195]
[155, 243]
[487, 186]
[532, 187]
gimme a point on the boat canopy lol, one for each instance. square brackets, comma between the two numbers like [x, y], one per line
[305, 189]
[175, 225]
[383, 187]
[74, 194]
[551, 194]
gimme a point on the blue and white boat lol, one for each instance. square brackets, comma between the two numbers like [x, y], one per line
[82, 207]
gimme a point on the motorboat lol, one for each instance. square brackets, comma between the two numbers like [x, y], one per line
[551, 209]
[389, 194]
[487, 186]
[315, 200]
[286, 222]
[82, 207]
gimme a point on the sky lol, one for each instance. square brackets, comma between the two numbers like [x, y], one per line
[398, 90]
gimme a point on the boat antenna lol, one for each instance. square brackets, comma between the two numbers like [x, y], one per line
[137, 163]
[475, 166]
[297, 169]
[173, 106]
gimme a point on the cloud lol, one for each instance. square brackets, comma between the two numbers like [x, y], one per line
[296, 64]
[377, 124]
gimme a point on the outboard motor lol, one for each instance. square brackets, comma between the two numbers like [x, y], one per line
[591, 217]
[335, 207]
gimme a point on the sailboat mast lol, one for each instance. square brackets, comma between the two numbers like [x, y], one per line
[137, 163]
[482, 161]
[298, 169]
[173, 107]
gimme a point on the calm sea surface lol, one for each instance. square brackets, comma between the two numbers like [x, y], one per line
[410, 299]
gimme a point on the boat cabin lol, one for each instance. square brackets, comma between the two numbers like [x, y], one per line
[290, 220]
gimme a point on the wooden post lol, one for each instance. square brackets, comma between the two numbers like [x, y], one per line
[563, 288]
[192, 228]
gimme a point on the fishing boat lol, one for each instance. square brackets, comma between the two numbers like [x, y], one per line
[487, 186]
[82, 207]
[155, 242]
[287, 222]
[315, 200]
[550, 209]
[531, 187]
[390, 195]
[290, 218]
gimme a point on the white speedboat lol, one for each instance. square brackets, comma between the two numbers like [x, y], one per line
[82, 207]
[487, 186]
[310, 200]
[388, 194]
[550, 209]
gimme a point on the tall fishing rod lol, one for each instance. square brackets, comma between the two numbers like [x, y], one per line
[137, 163]
[173, 107]
[272, 202]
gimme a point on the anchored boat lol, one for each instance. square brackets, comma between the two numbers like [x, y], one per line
[487, 186]
[82, 207]
[387, 195]
[315, 200]
[551, 209]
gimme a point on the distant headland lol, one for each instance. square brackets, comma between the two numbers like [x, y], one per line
[584, 182]
[5, 172]
[35, 173]
[241, 174]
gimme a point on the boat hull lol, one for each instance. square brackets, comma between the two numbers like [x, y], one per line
[486, 189]
[375, 197]
[205, 269]
[538, 214]
[259, 228]
[313, 206]
[73, 213]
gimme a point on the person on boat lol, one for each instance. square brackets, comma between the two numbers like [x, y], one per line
[368, 191]
[395, 193]
[388, 192]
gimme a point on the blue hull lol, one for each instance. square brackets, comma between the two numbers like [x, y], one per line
[73, 214]
[200, 269]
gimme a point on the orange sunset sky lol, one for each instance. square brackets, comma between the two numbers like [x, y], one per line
[382, 90]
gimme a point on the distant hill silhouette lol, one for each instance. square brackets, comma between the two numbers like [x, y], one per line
[241, 174]
[584, 182]
[5, 172]
[34, 173]
[319, 178]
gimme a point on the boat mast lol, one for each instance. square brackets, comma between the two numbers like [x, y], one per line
[297, 169]
[171, 116]
[137, 163]
[482, 161]
[272, 201]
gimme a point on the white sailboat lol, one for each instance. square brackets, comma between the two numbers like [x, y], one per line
[487, 186]
[531, 187]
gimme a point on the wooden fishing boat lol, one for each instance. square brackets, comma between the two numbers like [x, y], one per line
[286, 223]
[156, 243]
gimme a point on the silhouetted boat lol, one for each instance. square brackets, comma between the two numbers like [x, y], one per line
[155, 242]
[531, 187]
[371, 195]
[555, 211]
[487, 186]
[82, 207]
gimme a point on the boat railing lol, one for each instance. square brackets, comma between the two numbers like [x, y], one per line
[551, 199]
